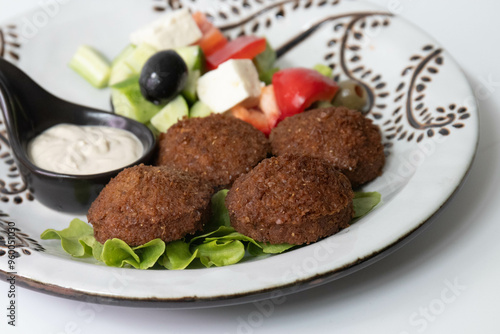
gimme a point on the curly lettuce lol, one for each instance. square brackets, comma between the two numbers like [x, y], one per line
[219, 245]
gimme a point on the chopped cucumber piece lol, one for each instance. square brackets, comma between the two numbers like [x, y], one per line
[126, 83]
[170, 114]
[139, 56]
[130, 62]
[323, 69]
[189, 91]
[121, 72]
[129, 102]
[91, 65]
[199, 109]
[123, 55]
[192, 56]
[264, 62]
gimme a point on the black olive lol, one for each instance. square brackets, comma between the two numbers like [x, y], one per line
[351, 95]
[163, 77]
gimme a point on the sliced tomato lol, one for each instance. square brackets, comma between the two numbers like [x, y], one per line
[212, 39]
[297, 88]
[243, 47]
[253, 116]
[202, 22]
[269, 105]
[265, 116]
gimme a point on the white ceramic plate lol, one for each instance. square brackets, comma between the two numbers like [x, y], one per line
[420, 99]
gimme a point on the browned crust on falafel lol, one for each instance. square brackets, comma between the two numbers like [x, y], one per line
[216, 148]
[291, 199]
[143, 203]
[345, 138]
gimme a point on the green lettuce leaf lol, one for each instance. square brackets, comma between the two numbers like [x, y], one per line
[116, 253]
[365, 202]
[264, 249]
[220, 232]
[150, 252]
[276, 248]
[76, 240]
[230, 236]
[220, 215]
[220, 253]
[92, 246]
[177, 255]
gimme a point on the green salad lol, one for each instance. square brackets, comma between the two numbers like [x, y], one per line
[218, 245]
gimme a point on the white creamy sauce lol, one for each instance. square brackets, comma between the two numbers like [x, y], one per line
[84, 150]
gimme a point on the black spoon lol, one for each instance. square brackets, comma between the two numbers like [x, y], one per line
[28, 110]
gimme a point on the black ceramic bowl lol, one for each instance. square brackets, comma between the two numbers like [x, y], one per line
[28, 110]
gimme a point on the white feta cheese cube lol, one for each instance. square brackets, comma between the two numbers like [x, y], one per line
[174, 30]
[233, 82]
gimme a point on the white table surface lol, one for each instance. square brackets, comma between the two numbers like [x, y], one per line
[445, 281]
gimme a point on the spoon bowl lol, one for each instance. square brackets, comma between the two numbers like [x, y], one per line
[28, 110]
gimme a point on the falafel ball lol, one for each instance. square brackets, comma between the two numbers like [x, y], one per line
[291, 199]
[345, 138]
[216, 148]
[143, 203]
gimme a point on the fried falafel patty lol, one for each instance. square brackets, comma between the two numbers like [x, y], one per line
[291, 199]
[216, 148]
[143, 203]
[345, 138]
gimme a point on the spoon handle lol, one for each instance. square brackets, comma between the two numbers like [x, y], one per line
[22, 100]
[15, 83]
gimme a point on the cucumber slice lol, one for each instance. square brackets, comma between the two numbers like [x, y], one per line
[91, 65]
[129, 102]
[170, 114]
[138, 57]
[123, 55]
[199, 109]
[192, 56]
[189, 91]
[127, 83]
[130, 62]
[121, 72]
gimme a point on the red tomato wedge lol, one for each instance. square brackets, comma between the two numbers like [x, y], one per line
[265, 116]
[243, 47]
[212, 39]
[297, 88]
[253, 116]
[202, 22]
[269, 106]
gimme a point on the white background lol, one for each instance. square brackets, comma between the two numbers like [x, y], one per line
[405, 293]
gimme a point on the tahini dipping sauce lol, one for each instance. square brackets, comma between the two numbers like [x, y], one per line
[84, 150]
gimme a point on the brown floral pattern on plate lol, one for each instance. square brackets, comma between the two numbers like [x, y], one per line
[21, 244]
[9, 42]
[12, 185]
